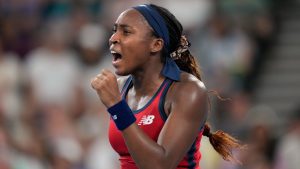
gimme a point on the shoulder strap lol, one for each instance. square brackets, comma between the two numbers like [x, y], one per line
[126, 87]
[162, 99]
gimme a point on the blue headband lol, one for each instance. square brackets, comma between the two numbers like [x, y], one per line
[157, 22]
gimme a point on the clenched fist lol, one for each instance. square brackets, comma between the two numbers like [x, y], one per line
[106, 86]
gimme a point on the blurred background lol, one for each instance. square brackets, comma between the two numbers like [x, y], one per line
[50, 118]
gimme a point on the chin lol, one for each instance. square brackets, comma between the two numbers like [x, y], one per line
[121, 73]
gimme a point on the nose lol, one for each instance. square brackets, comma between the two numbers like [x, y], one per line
[114, 39]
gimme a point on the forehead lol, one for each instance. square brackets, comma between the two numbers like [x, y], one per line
[132, 18]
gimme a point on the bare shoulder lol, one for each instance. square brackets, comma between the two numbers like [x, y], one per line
[189, 95]
[187, 100]
[189, 85]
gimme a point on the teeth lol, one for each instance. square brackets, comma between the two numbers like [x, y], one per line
[116, 55]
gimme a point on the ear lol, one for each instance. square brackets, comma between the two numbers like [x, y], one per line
[157, 45]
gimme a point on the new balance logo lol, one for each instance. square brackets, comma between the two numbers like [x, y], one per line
[146, 120]
[115, 117]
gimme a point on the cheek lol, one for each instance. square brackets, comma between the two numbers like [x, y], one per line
[136, 50]
[133, 62]
[135, 53]
[137, 43]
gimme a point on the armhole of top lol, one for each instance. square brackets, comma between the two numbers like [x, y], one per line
[162, 100]
[125, 87]
[162, 112]
[203, 122]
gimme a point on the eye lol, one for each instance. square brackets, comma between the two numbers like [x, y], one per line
[126, 32]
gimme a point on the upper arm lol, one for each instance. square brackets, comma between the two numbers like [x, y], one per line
[187, 114]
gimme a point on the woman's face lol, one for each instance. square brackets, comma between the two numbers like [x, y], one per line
[130, 42]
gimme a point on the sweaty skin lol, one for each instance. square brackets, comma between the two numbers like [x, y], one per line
[185, 104]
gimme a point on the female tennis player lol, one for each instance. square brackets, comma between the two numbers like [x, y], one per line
[159, 111]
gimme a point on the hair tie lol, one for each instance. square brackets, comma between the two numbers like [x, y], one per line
[206, 131]
[183, 47]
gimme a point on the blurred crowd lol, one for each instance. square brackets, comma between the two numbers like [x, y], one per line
[50, 118]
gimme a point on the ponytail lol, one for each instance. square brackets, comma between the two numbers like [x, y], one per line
[222, 142]
[188, 63]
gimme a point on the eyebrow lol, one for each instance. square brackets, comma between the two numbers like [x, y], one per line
[122, 25]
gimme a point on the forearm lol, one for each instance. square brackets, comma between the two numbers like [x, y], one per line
[146, 153]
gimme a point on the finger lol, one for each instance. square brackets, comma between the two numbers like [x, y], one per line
[99, 76]
[104, 79]
[96, 82]
[93, 81]
[105, 71]
[102, 76]
[108, 73]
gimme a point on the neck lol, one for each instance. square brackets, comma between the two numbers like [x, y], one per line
[148, 79]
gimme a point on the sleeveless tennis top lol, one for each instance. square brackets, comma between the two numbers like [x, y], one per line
[151, 119]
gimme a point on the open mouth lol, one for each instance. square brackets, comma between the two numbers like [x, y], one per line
[116, 56]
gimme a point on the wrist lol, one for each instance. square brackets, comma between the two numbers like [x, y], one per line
[113, 102]
[121, 114]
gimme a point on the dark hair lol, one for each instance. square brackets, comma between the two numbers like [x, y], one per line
[187, 62]
[222, 142]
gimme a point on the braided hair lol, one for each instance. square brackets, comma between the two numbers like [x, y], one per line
[222, 142]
